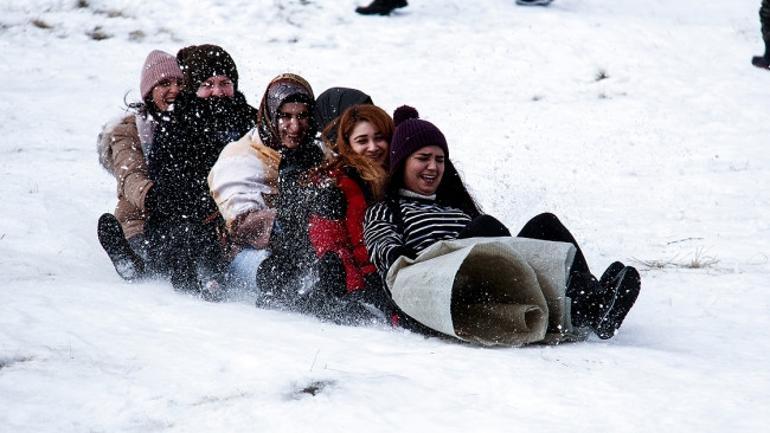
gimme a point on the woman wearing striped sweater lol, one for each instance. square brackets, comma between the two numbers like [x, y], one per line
[427, 201]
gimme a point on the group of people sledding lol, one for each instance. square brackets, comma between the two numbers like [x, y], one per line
[328, 206]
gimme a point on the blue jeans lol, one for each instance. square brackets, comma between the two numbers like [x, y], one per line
[243, 269]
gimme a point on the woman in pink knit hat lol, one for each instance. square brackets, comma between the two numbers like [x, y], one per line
[122, 146]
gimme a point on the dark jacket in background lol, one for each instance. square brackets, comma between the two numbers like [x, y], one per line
[764, 19]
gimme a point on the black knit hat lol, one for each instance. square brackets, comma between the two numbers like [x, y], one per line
[411, 135]
[201, 62]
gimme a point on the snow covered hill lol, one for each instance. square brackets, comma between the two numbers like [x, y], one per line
[640, 123]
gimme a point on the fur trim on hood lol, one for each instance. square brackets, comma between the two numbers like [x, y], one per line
[104, 141]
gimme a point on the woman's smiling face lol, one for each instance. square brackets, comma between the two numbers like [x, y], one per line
[424, 170]
[368, 142]
[165, 92]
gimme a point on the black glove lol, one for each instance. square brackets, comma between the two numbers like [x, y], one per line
[484, 226]
[399, 251]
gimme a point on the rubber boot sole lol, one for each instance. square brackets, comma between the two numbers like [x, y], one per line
[127, 263]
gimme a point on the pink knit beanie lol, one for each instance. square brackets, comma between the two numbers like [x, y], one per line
[158, 66]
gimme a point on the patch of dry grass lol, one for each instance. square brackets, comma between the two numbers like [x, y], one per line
[699, 260]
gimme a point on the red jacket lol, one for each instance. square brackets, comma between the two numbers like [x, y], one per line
[343, 233]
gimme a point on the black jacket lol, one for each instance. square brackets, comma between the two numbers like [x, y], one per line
[185, 149]
[290, 230]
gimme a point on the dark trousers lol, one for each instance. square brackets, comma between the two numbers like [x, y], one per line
[545, 226]
[188, 253]
[582, 287]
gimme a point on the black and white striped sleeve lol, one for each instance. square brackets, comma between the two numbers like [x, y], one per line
[383, 241]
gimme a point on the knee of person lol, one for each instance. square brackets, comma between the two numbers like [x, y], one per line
[547, 216]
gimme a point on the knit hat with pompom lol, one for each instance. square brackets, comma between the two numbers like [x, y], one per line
[412, 134]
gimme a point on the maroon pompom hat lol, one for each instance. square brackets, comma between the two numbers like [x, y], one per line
[412, 134]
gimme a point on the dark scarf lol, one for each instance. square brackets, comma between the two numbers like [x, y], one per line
[187, 146]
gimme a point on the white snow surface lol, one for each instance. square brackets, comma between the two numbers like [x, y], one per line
[664, 162]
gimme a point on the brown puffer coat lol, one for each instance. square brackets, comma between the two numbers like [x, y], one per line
[120, 152]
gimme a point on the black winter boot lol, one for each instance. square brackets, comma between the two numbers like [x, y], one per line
[533, 2]
[590, 300]
[325, 300]
[626, 286]
[330, 301]
[603, 307]
[212, 290]
[331, 276]
[381, 7]
[127, 263]
[610, 273]
[761, 62]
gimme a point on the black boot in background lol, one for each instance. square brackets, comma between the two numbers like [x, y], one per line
[381, 7]
[761, 61]
[127, 263]
[764, 21]
[533, 2]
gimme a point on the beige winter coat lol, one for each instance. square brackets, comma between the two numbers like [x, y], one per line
[243, 183]
[120, 152]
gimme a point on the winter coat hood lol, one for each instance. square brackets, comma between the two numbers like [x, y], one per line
[145, 125]
[332, 103]
[104, 141]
